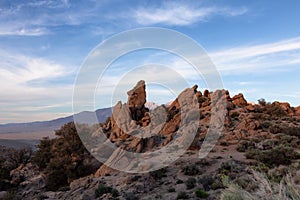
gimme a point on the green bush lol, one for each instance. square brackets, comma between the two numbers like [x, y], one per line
[201, 193]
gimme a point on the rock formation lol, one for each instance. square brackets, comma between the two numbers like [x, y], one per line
[239, 100]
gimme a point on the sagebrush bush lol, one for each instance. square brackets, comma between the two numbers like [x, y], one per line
[280, 155]
[182, 195]
[190, 183]
[131, 196]
[206, 182]
[190, 170]
[159, 174]
[103, 189]
[201, 194]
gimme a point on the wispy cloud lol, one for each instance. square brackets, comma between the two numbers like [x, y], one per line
[261, 57]
[36, 18]
[25, 31]
[17, 71]
[181, 14]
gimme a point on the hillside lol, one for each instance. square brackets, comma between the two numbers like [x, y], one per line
[252, 152]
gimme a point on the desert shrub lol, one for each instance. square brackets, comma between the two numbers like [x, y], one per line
[274, 110]
[279, 155]
[4, 176]
[10, 159]
[246, 183]
[235, 115]
[275, 129]
[11, 195]
[231, 166]
[63, 158]
[179, 181]
[252, 153]
[190, 183]
[171, 189]
[206, 182]
[43, 155]
[262, 102]
[288, 140]
[269, 144]
[15, 157]
[41, 197]
[190, 170]
[201, 194]
[159, 174]
[131, 196]
[228, 195]
[102, 189]
[182, 195]
[292, 131]
[265, 124]
[245, 145]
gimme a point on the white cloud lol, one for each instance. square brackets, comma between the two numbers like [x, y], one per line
[19, 96]
[181, 14]
[24, 31]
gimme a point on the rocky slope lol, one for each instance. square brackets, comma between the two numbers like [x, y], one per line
[256, 147]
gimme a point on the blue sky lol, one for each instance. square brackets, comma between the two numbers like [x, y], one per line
[255, 46]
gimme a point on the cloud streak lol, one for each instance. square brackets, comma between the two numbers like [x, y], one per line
[181, 14]
[262, 57]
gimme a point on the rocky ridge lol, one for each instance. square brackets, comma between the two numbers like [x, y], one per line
[243, 127]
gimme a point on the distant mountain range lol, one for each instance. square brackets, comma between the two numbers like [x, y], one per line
[24, 134]
[16, 134]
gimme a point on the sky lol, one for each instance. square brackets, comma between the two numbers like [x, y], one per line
[255, 46]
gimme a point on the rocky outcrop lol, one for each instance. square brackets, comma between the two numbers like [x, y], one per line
[239, 100]
[136, 101]
[104, 171]
[286, 107]
[297, 110]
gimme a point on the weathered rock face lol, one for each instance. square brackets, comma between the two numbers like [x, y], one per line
[137, 96]
[136, 101]
[286, 107]
[297, 110]
[29, 178]
[104, 171]
[239, 100]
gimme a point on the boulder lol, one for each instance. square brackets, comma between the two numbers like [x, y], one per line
[239, 100]
[286, 107]
[250, 108]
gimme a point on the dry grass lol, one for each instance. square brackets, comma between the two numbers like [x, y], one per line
[287, 189]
